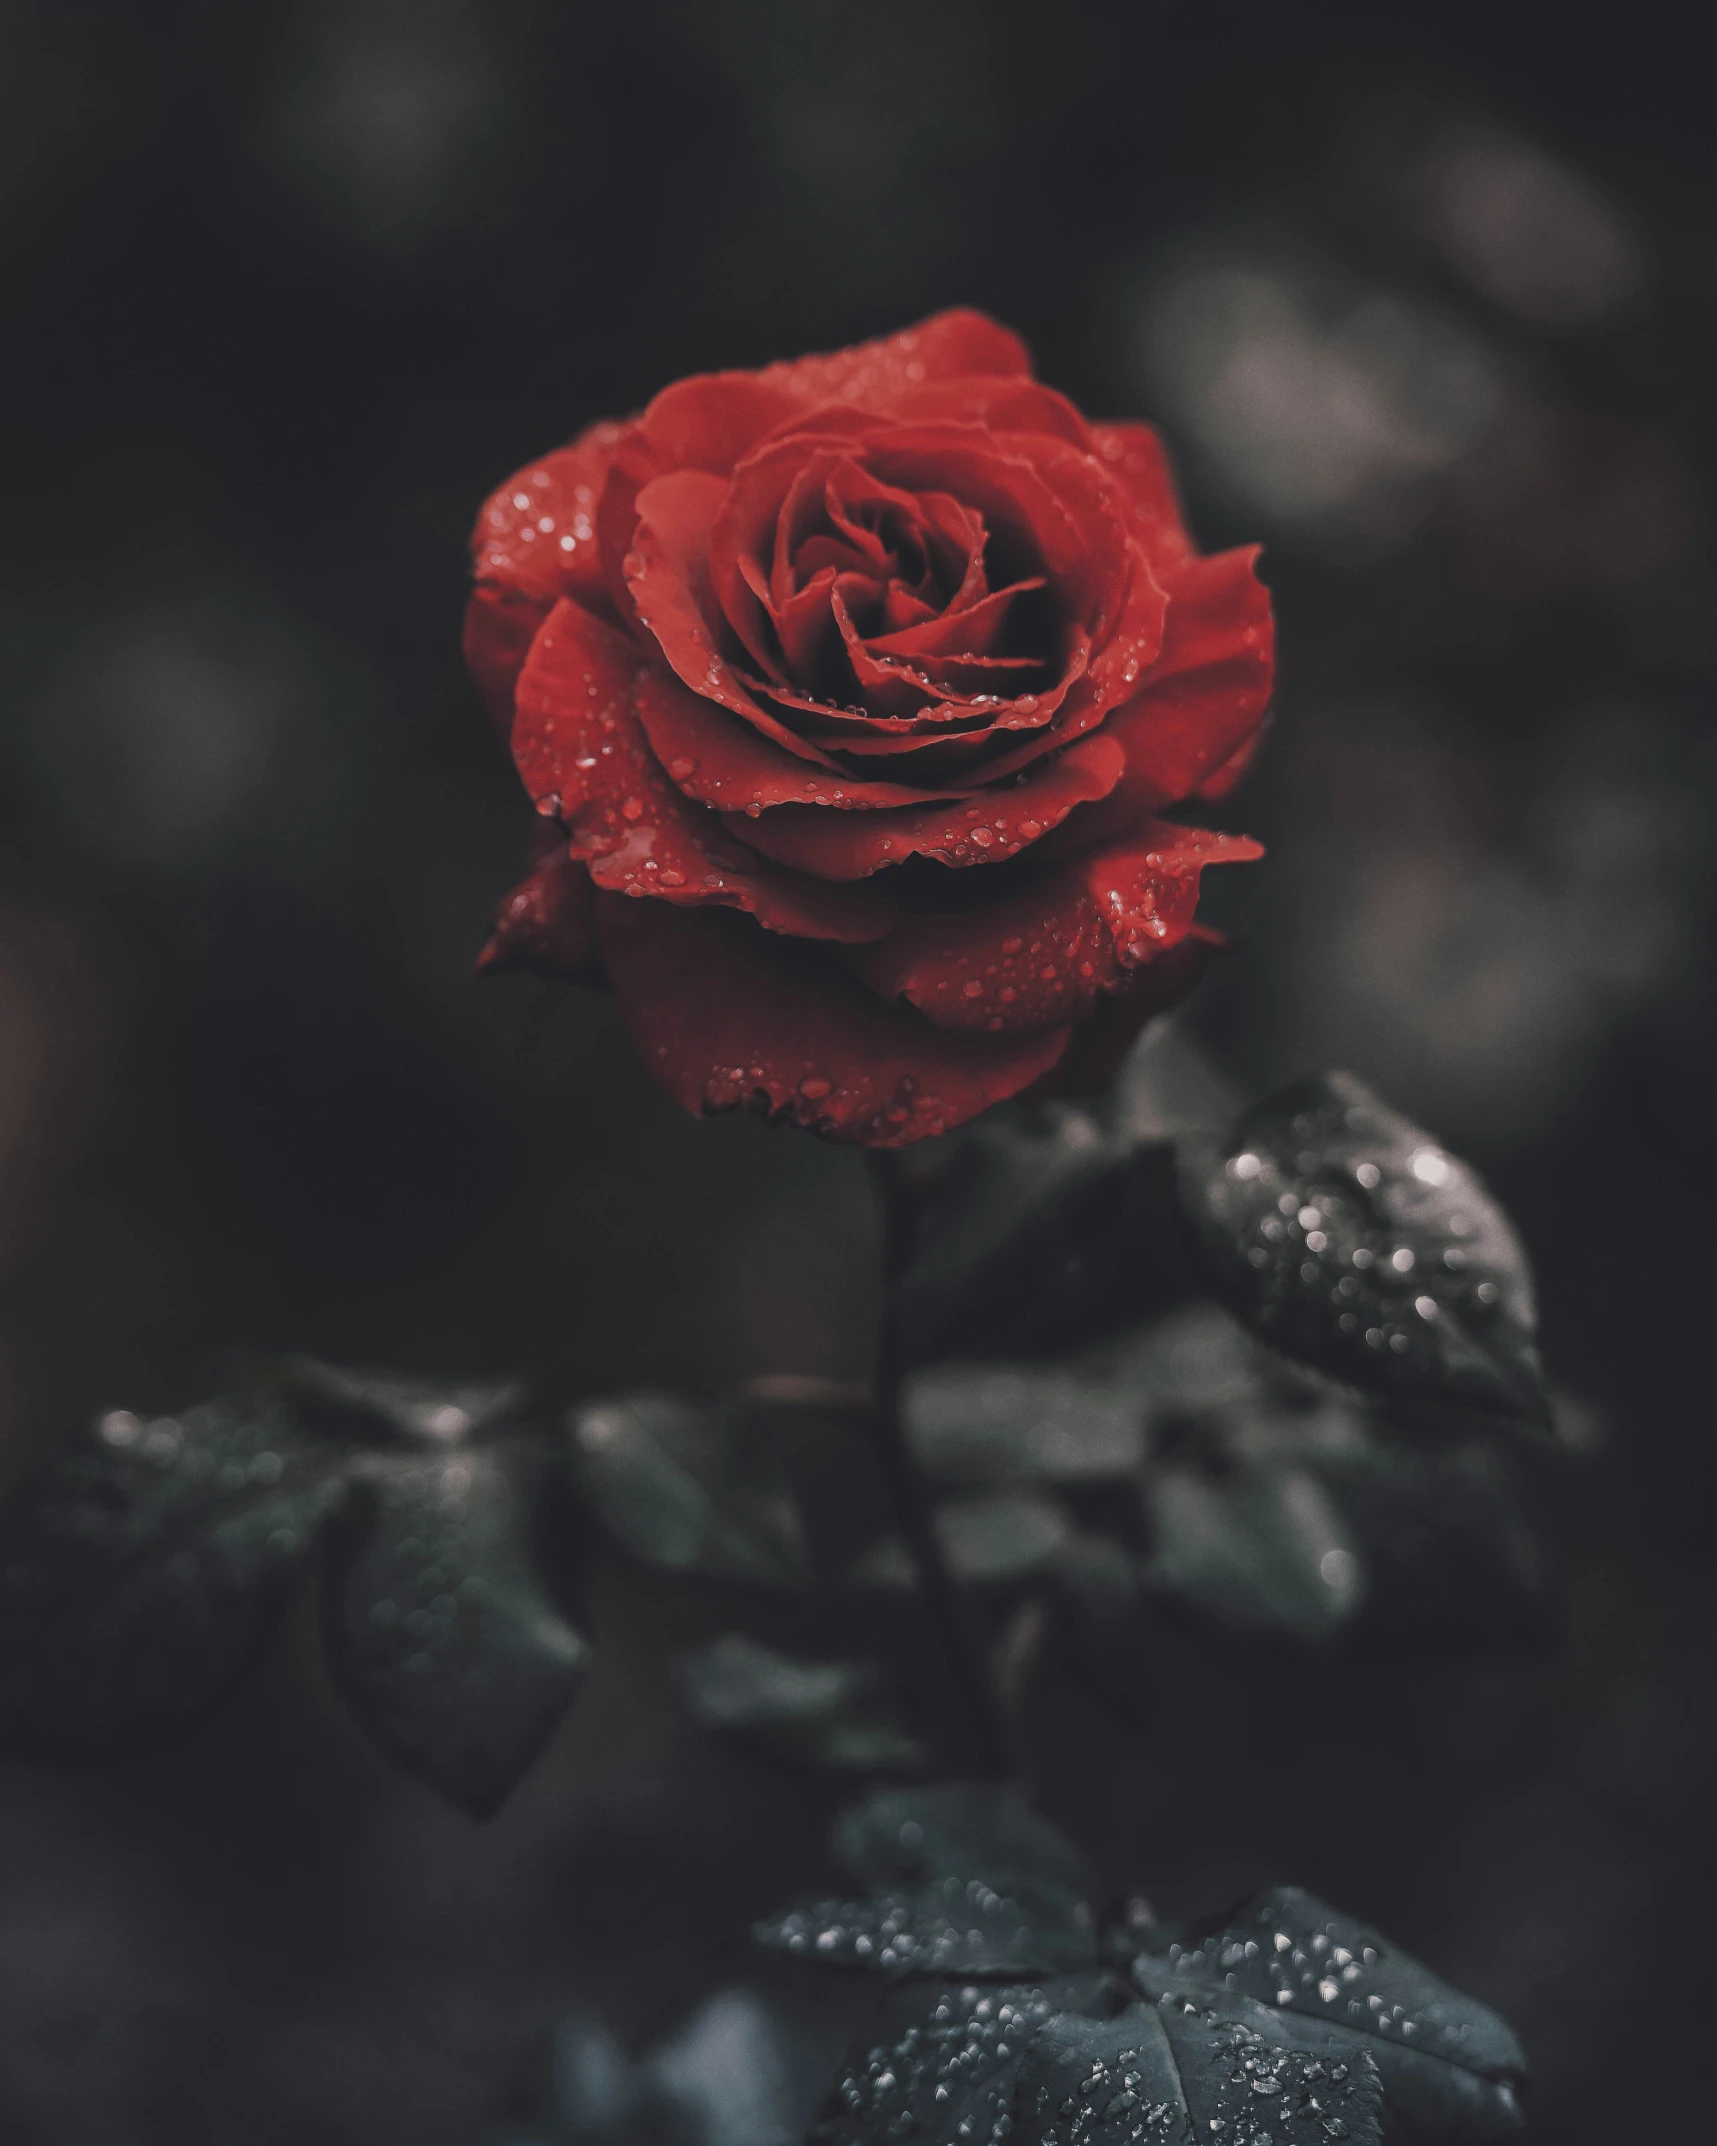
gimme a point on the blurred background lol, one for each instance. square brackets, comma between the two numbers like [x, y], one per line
[1426, 302]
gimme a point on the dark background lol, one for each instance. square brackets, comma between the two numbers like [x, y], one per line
[1428, 305]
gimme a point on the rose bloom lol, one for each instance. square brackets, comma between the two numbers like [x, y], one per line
[850, 692]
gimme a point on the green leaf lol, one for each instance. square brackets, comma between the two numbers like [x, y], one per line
[1450, 2067]
[1186, 2074]
[141, 1574]
[1030, 1230]
[1348, 1237]
[441, 1624]
[835, 1715]
[692, 1489]
[941, 2061]
[965, 1879]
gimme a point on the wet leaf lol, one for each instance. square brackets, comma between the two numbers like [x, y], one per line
[1450, 2067]
[941, 2062]
[993, 1539]
[441, 1624]
[1349, 1238]
[1181, 2073]
[141, 1574]
[837, 1715]
[693, 1489]
[373, 1407]
[1028, 1231]
[965, 1879]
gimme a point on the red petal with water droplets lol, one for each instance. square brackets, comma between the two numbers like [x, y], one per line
[728, 1017]
[1041, 956]
[992, 825]
[1202, 702]
[1100, 1043]
[585, 758]
[534, 542]
[1140, 463]
[727, 764]
[875, 375]
[1111, 677]
[665, 586]
[548, 921]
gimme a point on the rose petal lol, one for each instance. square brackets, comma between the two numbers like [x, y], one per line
[1041, 956]
[957, 636]
[1201, 703]
[729, 1017]
[992, 826]
[1002, 405]
[1140, 462]
[635, 465]
[875, 375]
[710, 420]
[534, 542]
[665, 602]
[1099, 1044]
[1222, 779]
[586, 759]
[548, 921]
[729, 765]
[1043, 500]
[1112, 676]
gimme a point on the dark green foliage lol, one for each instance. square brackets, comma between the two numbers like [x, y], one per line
[1451, 2066]
[1349, 1238]
[965, 1880]
[1030, 1230]
[1199, 1473]
[1284, 2024]
[441, 1623]
[141, 1573]
[1183, 2073]
[838, 1716]
[694, 1489]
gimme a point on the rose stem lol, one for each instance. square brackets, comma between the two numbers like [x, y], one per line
[951, 1611]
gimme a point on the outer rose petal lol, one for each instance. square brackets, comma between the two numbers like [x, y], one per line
[709, 421]
[585, 760]
[1099, 1044]
[534, 542]
[993, 825]
[547, 922]
[1042, 955]
[874, 375]
[1203, 700]
[729, 1017]
[1137, 458]
[1002, 405]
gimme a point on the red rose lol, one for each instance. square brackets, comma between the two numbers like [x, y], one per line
[852, 689]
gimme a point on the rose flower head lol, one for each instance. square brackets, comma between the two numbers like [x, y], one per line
[850, 693]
